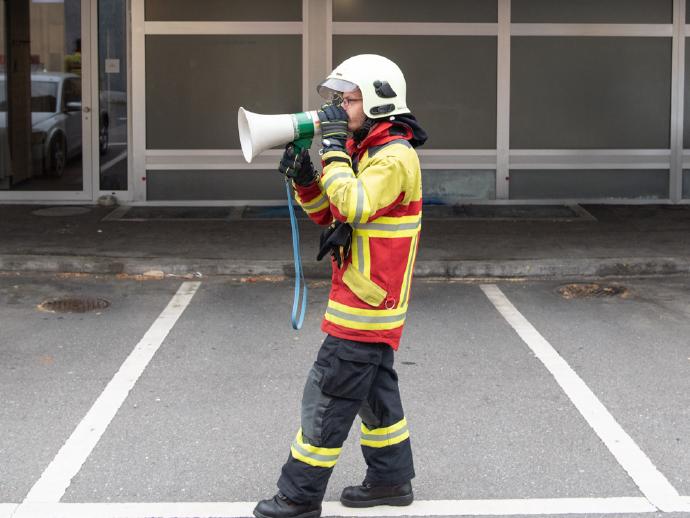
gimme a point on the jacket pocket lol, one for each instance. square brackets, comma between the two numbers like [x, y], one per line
[365, 289]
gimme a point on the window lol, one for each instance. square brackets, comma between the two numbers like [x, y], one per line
[589, 93]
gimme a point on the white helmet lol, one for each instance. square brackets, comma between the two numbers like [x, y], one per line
[380, 80]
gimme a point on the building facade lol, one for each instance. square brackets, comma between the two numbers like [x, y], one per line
[525, 101]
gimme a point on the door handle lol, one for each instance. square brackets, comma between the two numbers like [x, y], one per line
[86, 109]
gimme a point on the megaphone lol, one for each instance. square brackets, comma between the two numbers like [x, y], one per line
[261, 132]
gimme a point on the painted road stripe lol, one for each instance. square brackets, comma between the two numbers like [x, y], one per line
[527, 507]
[6, 510]
[58, 475]
[650, 480]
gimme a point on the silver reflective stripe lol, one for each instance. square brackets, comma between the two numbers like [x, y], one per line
[366, 319]
[360, 201]
[315, 204]
[375, 149]
[397, 433]
[413, 244]
[315, 456]
[334, 177]
[389, 226]
[360, 253]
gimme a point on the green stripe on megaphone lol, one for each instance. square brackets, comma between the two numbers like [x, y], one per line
[305, 124]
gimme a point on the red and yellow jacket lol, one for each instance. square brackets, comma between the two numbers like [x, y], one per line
[380, 196]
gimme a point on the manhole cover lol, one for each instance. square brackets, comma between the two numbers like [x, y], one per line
[578, 291]
[73, 304]
[61, 211]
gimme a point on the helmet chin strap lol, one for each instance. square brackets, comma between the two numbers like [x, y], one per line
[360, 134]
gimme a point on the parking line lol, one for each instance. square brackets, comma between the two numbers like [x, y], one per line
[58, 475]
[648, 478]
[527, 507]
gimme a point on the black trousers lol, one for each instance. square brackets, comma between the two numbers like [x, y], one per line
[348, 378]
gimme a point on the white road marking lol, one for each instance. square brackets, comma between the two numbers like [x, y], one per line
[58, 475]
[527, 507]
[648, 478]
[6, 510]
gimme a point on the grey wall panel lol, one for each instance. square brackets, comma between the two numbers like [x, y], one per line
[459, 11]
[223, 10]
[451, 83]
[214, 185]
[686, 104]
[579, 92]
[449, 187]
[686, 183]
[573, 184]
[592, 11]
[195, 84]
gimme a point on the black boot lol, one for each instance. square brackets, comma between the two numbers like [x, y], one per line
[280, 506]
[367, 495]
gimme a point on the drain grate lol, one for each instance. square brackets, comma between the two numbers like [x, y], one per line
[73, 304]
[579, 291]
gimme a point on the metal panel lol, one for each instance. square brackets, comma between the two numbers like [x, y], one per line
[448, 187]
[592, 11]
[686, 106]
[215, 185]
[454, 98]
[461, 11]
[223, 10]
[194, 85]
[590, 93]
[583, 184]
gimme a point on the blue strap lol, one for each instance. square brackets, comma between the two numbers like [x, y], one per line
[299, 273]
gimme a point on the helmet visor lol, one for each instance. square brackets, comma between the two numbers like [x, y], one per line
[332, 88]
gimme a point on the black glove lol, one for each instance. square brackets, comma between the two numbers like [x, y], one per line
[297, 166]
[333, 127]
[336, 239]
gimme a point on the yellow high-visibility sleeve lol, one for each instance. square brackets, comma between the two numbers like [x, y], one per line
[358, 197]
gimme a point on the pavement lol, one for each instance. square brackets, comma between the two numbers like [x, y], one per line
[469, 241]
[181, 398]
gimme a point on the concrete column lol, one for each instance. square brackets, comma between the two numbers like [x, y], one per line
[316, 55]
[19, 88]
[317, 50]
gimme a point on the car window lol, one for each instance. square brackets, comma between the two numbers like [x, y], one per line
[3, 96]
[72, 91]
[43, 96]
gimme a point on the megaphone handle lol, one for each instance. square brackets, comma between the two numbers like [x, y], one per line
[299, 272]
[301, 144]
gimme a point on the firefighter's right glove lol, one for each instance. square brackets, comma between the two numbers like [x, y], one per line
[297, 166]
[333, 127]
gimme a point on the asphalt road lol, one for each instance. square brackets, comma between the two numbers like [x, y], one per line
[498, 419]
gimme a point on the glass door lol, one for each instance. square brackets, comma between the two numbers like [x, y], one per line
[112, 96]
[45, 112]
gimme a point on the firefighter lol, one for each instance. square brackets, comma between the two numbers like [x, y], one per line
[370, 197]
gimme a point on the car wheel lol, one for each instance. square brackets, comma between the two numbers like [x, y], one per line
[57, 156]
[103, 139]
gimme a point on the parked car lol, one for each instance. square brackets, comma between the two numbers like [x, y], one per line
[56, 119]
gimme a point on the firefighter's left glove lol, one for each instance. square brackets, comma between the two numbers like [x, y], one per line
[336, 239]
[297, 166]
[333, 127]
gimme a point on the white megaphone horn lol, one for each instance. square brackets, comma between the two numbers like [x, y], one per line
[261, 132]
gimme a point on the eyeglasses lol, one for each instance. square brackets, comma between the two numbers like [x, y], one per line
[347, 102]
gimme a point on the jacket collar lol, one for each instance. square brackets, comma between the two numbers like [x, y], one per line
[380, 134]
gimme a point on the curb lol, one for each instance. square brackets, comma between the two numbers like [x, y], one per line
[513, 268]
